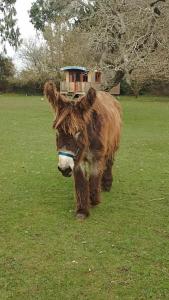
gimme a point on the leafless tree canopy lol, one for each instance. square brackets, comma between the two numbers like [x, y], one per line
[128, 33]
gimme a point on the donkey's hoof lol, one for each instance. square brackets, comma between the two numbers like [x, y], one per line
[95, 203]
[81, 216]
[106, 188]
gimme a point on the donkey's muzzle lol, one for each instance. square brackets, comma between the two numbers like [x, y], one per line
[66, 172]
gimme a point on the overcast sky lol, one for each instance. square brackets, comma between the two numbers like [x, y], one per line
[26, 28]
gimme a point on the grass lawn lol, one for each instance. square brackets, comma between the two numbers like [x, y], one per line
[122, 250]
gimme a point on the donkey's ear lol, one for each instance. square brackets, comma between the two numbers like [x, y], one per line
[85, 103]
[91, 96]
[52, 94]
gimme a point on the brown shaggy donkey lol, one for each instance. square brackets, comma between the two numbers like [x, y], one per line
[88, 135]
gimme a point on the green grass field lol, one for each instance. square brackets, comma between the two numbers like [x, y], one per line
[122, 250]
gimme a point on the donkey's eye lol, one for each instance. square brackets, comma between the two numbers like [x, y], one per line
[77, 135]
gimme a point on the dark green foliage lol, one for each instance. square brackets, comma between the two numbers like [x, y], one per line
[153, 87]
[8, 29]
[45, 12]
[156, 87]
[28, 87]
[31, 83]
[6, 72]
[42, 12]
[125, 88]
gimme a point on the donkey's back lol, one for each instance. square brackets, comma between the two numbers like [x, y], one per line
[109, 111]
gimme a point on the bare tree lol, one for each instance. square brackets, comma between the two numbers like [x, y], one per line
[127, 34]
[36, 56]
[154, 69]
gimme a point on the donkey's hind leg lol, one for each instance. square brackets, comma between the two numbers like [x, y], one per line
[94, 188]
[107, 177]
[95, 182]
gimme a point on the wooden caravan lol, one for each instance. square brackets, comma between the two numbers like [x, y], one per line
[78, 80]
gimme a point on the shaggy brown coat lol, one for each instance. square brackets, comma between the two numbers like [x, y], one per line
[90, 129]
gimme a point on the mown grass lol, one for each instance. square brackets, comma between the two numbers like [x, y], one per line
[122, 250]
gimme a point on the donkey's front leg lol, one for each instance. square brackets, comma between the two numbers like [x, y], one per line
[82, 193]
[95, 183]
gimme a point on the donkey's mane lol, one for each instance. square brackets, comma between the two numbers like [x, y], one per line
[69, 119]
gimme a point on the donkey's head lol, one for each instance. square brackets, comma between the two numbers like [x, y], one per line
[71, 119]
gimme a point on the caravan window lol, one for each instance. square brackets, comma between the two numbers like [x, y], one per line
[85, 77]
[98, 77]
